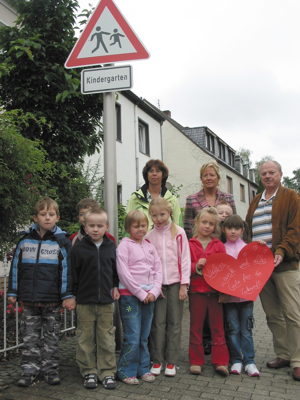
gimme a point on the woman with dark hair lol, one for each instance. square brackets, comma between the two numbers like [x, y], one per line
[155, 175]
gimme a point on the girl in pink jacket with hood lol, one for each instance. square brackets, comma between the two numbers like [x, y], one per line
[239, 311]
[140, 275]
[172, 246]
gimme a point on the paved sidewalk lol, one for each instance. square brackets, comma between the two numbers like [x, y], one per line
[271, 384]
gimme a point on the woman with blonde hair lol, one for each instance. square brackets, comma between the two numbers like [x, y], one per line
[209, 196]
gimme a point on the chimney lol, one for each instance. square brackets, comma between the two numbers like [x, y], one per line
[167, 113]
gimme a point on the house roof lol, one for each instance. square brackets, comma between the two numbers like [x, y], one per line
[205, 128]
[158, 116]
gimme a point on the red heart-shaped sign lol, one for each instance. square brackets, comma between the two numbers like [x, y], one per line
[242, 277]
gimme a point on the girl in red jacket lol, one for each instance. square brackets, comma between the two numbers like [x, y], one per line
[203, 298]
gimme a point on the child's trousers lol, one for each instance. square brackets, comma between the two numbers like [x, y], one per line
[95, 349]
[136, 319]
[199, 304]
[33, 320]
[239, 332]
[165, 337]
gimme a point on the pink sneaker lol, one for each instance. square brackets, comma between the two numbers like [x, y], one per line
[251, 370]
[236, 368]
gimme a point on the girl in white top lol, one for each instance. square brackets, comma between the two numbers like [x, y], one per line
[172, 246]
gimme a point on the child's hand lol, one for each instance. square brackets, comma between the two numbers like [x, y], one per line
[223, 298]
[161, 293]
[12, 299]
[116, 293]
[200, 264]
[183, 294]
[262, 242]
[69, 303]
[149, 299]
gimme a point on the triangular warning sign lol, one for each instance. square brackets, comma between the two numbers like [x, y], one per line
[106, 38]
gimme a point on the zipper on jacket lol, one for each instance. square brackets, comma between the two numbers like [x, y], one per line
[98, 264]
[36, 268]
[165, 265]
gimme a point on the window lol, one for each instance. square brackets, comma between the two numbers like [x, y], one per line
[119, 193]
[221, 151]
[118, 122]
[144, 138]
[242, 192]
[210, 142]
[253, 194]
[231, 158]
[229, 184]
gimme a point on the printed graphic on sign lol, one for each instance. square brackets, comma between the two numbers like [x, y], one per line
[106, 38]
[242, 277]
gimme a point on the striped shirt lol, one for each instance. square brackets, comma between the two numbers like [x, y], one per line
[262, 220]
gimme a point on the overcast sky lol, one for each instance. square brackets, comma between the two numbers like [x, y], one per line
[230, 65]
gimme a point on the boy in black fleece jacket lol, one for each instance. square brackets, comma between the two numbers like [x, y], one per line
[95, 285]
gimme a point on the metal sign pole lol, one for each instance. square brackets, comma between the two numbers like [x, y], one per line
[110, 162]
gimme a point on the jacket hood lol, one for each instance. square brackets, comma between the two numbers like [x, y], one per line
[89, 240]
[195, 240]
[234, 244]
[127, 239]
[141, 194]
[56, 230]
[163, 228]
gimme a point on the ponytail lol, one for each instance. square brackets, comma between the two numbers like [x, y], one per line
[173, 226]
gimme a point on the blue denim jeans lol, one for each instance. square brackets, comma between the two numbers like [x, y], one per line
[239, 332]
[136, 319]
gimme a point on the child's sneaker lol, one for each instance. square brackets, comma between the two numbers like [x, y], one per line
[26, 379]
[170, 370]
[236, 368]
[156, 369]
[148, 377]
[52, 378]
[195, 369]
[131, 381]
[109, 382]
[251, 370]
[90, 381]
[222, 370]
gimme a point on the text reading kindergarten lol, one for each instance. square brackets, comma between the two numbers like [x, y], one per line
[99, 80]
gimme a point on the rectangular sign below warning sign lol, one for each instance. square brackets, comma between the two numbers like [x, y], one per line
[98, 80]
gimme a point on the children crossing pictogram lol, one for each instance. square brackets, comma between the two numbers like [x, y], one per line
[106, 38]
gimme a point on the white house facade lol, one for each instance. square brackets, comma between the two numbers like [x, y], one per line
[139, 138]
[7, 14]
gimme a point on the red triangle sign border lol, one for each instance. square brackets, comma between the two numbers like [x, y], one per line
[141, 52]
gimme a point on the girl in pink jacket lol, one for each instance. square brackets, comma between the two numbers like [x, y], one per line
[239, 312]
[140, 274]
[172, 246]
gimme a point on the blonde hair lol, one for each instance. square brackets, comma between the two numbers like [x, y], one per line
[95, 210]
[210, 164]
[161, 202]
[214, 213]
[45, 202]
[224, 203]
[134, 216]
